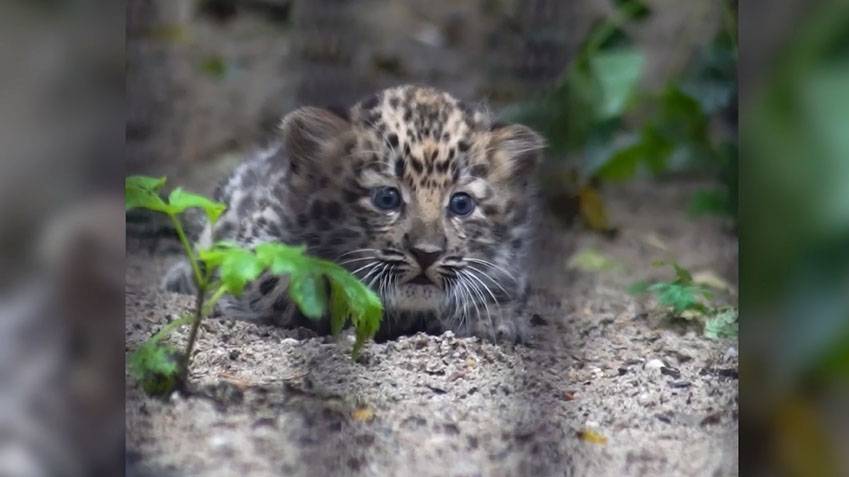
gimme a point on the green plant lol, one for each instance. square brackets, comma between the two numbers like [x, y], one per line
[226, 268]
[685, 298]
[601, 126]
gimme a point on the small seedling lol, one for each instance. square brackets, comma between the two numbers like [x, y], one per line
[685, 298]
[226, 268]
[723, 324]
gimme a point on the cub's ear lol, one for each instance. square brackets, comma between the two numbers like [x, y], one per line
[516, 150]
[308, 132]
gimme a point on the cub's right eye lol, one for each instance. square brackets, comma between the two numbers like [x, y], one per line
[386, 198]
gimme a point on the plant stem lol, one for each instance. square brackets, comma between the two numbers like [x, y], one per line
[167, 329]
[184, 373]
[199, 279]
[214, 299]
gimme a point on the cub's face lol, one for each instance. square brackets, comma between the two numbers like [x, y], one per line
[418, 196]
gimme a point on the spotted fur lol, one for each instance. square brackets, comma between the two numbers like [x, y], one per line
[315, 186]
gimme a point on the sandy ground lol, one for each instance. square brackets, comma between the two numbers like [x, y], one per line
[607, 386]
[267, 401]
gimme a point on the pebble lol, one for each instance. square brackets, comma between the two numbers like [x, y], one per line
[218, 441]
[654, 364]
[667, 371]
[435, 367]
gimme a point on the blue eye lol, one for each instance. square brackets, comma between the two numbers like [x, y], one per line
[461, 204]
[386, 198]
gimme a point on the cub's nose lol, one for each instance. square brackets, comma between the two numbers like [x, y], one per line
[426, 255]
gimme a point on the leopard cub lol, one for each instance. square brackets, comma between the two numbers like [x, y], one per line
[419, 195]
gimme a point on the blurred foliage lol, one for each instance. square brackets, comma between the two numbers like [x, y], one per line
[691, 299]
[797, 219]
[795, 235]
[602, 125]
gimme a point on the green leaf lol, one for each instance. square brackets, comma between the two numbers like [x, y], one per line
[682, 275]
[307, 290]
[339, 312]
[603, 142]
[154, 365]
[151, 357]
[722, 325]
[350, 299]
[714, 201]
[180, 200]
[623, 164]
[281, 259]
[682, 294]
[214, 255]
[680, 297]
[651, 150]
[364, 307]
[681, 121]
[236, 266]
[143, 192]
[618, 73]
[367, 321]
[145, 182]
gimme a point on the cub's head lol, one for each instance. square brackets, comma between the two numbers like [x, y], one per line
[420, 196]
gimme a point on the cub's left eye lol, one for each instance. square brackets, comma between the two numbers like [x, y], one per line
[386, 198]
[461, 204]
